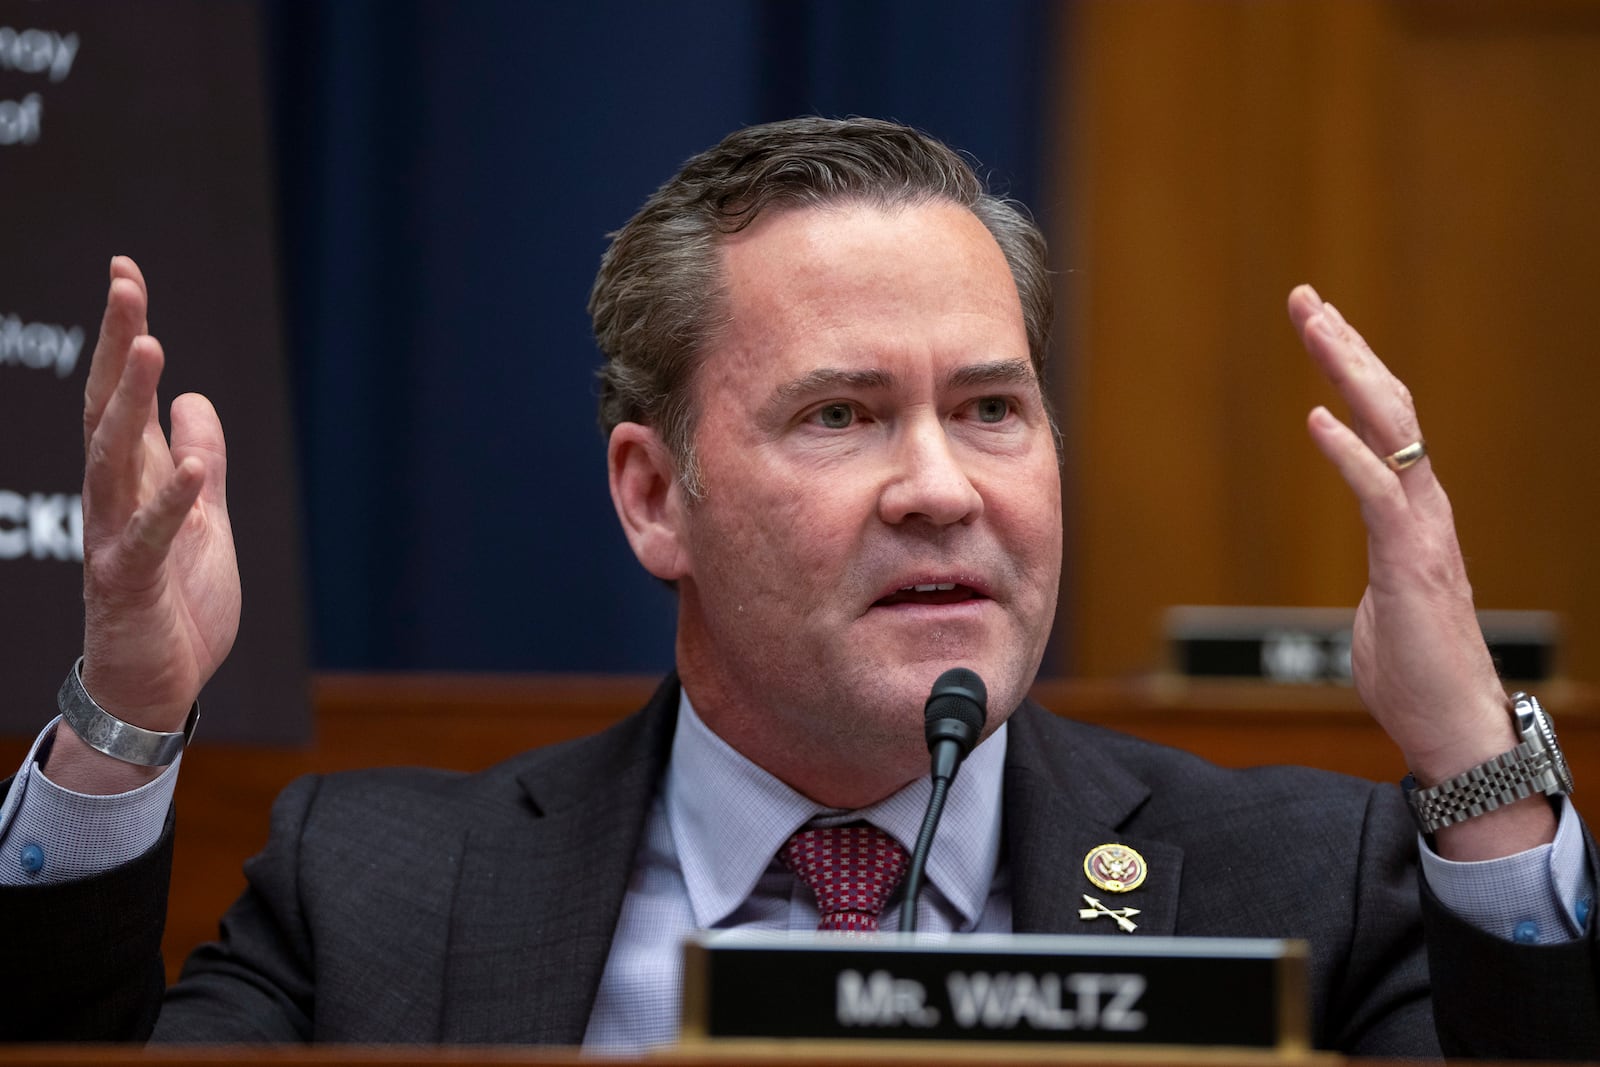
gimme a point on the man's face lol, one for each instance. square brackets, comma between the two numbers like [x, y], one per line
[882, 498]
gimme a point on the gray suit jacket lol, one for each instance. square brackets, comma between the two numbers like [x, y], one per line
[425, 906]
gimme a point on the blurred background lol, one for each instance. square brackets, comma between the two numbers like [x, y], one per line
[370, 230]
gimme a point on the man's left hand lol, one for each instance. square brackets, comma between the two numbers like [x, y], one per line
[1418, 657]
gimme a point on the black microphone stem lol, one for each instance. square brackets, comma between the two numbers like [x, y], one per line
[953, 722]
[919, 855]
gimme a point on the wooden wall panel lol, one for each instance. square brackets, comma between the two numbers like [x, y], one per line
[1429, 167]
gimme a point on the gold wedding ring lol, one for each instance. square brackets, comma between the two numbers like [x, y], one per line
[1406, 457]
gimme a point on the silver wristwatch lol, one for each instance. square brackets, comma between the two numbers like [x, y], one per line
[104, 732]
[1534, 766]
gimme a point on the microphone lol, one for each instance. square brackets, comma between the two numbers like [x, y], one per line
[952, 720]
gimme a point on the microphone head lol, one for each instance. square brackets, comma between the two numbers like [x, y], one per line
[956, 708]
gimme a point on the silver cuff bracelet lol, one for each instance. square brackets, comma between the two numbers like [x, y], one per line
[104, 732]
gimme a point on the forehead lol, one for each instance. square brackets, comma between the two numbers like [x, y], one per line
[862, 283]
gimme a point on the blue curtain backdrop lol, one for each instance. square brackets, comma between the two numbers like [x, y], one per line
[449, 171]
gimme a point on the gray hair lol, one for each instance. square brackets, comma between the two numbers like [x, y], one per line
[655, 302]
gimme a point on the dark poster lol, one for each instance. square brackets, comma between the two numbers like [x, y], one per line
[140, 129]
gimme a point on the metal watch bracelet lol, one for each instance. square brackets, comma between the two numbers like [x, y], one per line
[104, 732]
[1535, 766]
[1506, 778]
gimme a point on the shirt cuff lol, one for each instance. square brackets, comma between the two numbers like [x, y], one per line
[1540, 896]
[49, 834]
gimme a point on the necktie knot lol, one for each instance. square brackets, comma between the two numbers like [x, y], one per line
[851, 869]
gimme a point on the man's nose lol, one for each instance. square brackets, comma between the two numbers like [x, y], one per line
[929, 480]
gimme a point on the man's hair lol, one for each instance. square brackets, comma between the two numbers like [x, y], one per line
[656, 303]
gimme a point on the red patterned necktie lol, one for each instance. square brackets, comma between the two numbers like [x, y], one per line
[851, 869]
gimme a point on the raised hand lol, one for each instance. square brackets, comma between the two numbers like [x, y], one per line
[1419, 660]
[160, 579]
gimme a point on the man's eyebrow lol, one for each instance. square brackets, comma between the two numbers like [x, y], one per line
[999, 372]
[825, 380]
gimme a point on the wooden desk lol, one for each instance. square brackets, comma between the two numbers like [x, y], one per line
[469, 722]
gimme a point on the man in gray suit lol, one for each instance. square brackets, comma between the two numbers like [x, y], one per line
[824, 346]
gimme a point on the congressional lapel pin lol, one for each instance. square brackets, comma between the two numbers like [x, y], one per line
[1115, 868]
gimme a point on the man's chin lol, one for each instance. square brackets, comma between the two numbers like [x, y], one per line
[908, 684]
[888, 728]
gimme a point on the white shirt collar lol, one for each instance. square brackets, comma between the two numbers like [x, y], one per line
[729, 817]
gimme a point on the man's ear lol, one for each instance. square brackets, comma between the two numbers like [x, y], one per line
[648, 499]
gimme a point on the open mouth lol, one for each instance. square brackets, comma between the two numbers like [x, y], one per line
[935, 593]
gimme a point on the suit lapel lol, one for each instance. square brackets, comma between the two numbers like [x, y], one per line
[1065, 796]
[542, 884]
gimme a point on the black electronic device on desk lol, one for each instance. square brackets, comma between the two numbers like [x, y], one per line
[1312, 645]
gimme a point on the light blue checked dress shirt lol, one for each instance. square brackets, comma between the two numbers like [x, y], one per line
[709, 862]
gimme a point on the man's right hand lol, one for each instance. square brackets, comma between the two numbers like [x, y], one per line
[160, 579]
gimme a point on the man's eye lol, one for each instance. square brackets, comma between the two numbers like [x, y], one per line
[836, 416]
[992, 409]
